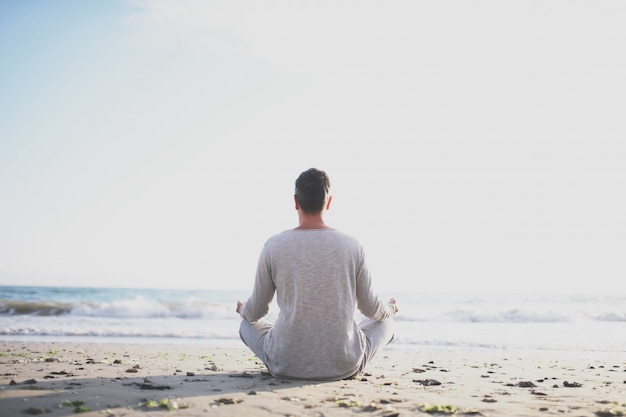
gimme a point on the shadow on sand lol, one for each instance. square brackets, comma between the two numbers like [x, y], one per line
[64, 395]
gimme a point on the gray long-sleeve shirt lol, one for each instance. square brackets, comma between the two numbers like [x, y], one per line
[320, 277]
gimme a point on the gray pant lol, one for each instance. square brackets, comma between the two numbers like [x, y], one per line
[378, 334]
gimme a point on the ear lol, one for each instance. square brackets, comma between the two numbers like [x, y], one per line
[295, 199]
[330, 199]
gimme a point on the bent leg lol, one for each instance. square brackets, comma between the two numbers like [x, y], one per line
[253, 335]
[378, 334]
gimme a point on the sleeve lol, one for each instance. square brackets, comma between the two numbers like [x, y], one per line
[258, 304]
[368, 303]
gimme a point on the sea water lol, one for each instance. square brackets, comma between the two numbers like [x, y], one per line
[568, 323]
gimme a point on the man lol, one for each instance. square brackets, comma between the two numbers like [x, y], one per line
[320, 277]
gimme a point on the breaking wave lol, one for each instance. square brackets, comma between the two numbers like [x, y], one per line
[432, 309]
[138, 307]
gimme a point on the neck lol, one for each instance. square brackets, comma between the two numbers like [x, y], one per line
[311, 222]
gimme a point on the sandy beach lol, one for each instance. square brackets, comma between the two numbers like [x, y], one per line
[110, 379]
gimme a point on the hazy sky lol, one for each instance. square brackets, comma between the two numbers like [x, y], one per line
[472, 145]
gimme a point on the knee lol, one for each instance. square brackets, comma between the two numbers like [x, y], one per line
[244, 328]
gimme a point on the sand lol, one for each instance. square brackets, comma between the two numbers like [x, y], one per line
[113, 379]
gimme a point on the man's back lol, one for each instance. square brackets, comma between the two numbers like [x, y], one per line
[317, 275]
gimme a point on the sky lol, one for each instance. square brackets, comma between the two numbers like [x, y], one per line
[472, 146]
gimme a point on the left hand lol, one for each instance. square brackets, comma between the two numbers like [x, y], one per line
[392, 302]
[239, 305]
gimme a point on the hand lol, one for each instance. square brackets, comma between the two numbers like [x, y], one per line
[239, 305]
[392, 302]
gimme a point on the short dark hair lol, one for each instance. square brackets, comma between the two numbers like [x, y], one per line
[312, 187]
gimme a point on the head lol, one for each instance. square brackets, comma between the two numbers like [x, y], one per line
[312, 188]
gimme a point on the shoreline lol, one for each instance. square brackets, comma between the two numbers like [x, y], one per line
[546, 352]
[127, 379]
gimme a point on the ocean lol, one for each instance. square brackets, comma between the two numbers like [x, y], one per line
[558, 323]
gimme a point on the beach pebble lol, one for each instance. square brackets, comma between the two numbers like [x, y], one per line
[59, 373]
[572, 384]
[427, 382]
[36, 411]
[228, 401]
